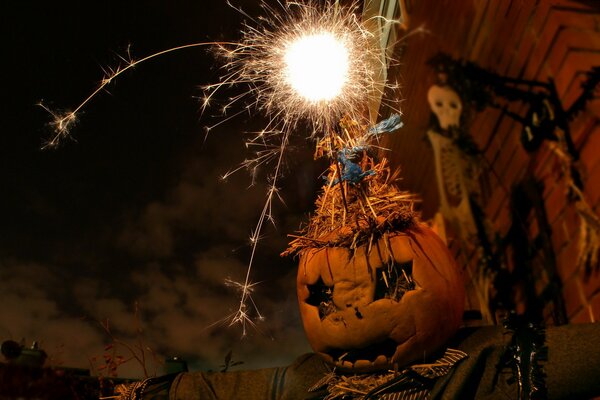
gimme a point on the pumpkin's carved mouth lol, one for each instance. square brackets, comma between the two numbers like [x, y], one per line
[387, 348]
[392, 281]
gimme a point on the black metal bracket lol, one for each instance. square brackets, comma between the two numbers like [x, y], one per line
[545, 113]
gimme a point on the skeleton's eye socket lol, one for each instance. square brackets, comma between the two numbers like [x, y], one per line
[453, 105]
[438, 103]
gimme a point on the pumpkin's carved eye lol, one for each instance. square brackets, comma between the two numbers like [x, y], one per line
[321, 296]
[392, 281]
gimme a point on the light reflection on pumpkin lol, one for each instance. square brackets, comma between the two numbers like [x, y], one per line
[358, 322]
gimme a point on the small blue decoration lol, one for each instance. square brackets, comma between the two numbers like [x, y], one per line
[351, 171]
[387, 125]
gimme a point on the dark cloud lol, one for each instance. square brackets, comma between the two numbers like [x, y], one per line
[177, 306]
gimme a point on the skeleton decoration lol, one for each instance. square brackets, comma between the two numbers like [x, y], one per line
[458, 174]
[454, 178]
[446, 105]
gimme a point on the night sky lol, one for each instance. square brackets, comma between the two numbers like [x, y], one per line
[133, 209]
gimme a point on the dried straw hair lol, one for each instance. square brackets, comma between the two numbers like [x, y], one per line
[351, 215]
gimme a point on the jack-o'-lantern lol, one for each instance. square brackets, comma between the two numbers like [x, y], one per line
[376, 287]
[397, 303]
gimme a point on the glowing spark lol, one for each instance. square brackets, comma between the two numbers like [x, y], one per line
[304, 62]
[62, 123]
[317, 66]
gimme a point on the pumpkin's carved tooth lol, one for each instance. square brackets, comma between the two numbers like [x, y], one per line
[327, 357]
[381, 361]
[362, 365]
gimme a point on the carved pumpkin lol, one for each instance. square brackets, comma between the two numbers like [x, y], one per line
[396, 304]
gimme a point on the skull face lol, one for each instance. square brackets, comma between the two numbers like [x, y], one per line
[446, 105]
[369, 310]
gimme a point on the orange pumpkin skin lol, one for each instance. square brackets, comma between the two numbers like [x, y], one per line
[416, 326]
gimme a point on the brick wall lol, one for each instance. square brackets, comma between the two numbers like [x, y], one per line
[537, 40]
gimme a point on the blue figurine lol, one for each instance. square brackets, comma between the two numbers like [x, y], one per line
[387, 125]
[351, 171]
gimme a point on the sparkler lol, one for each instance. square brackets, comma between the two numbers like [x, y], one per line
[304, 65]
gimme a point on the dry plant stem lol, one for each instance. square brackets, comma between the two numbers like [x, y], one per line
[327, 189]
[350, 389]
[137, 350]
[341, 182]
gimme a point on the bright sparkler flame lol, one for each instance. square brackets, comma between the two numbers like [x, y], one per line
[307, 62]
[317, 66]
[304, 64]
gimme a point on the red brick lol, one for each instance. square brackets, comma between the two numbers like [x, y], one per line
[544, 43]
[530, 40]
[556, 201]
[482, 38]
[565, 229]
[560, 233]
[476, 24]
[483, 128]
[525, 48]
[582, 127]
[471, 298]
[519, 21]
[548, 179]
[581, 317]
[572, 296]
[591, 285]
[557, 18]
[548, 314]
[592, 185]
[568, 38]
[575, 61]
[575, 5]
[533, 226]
[517, 167]
[546, 172]
[498, 35]
[505, 157]
[567, 260]
[572, 91]
[540, 15]
[595, 303]
[571, 220]
[590, 152]
[502, 220]
[594, 108]
[495, 201]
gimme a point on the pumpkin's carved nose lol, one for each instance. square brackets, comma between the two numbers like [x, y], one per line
[352, 294]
